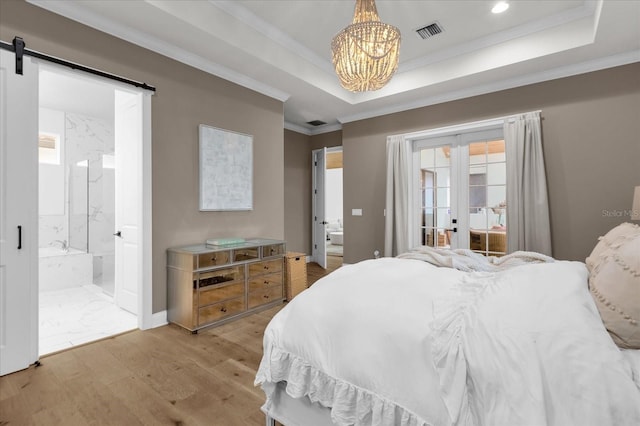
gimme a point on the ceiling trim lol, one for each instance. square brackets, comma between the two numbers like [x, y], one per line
[296, 128]
[560, 72]
[586, 9]
[278, 36]
[86, 17]
[312, 132]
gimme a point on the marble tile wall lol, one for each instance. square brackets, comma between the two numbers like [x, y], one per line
[88, 139]
[89, 208]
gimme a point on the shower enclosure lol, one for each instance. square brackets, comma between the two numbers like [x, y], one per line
[76, 234]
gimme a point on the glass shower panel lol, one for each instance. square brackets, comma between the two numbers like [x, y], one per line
[79, 205]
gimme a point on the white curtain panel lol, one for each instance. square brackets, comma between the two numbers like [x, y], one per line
[396, 224]
[527, 201]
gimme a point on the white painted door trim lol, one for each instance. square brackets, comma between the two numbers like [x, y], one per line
[318, 210]
[145, 303]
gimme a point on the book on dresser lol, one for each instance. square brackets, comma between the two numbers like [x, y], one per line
[211, 284]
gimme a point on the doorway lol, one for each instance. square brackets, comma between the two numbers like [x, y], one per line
[77, 158]
[459, 191]
[334, 211]
[327, 206]
[19, 193]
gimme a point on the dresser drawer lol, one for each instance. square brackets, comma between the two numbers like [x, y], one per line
[273, 250]
[265, 296]
[220, 276]
[265, 282]
[216, 294]
[266, 267]
[251, 253]
[217, 311]
[217, 258]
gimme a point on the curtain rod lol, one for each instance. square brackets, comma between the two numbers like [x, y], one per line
[18, 47]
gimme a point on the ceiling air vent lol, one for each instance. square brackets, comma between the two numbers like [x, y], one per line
[429, 31]
[316, 122]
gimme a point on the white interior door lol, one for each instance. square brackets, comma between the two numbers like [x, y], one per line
[18, 214]
[128, 205]
[319, 207]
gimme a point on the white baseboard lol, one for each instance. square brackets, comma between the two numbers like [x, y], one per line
[159, 319]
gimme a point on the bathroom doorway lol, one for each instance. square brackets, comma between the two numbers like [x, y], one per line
[77, 203]
[327, 233]
[333, 203]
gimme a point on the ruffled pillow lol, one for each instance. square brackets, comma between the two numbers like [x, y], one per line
[614, 281]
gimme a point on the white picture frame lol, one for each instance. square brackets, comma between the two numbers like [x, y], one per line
[226, 170]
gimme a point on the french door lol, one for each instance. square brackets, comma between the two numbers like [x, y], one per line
[459, 191]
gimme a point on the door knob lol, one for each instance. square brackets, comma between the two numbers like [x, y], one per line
[118, 234]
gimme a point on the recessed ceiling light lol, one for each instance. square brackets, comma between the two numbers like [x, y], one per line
[500, 7]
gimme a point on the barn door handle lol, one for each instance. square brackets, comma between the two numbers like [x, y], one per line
[19, 237]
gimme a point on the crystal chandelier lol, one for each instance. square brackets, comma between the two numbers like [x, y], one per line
[365, 54]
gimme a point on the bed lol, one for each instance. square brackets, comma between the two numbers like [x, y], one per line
[435, 338]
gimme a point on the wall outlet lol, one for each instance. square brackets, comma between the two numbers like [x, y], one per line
[356, 212]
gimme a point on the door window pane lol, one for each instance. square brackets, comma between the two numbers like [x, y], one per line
[497, 174]
[435, 187]
[487, 198]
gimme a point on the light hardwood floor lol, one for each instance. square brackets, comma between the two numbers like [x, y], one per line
[163, 376]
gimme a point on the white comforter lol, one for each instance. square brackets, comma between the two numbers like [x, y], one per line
[402, 342]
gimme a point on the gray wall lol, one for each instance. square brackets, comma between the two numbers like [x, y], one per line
[297, 192]
[591, 138]
[297, 185]
[185, 98]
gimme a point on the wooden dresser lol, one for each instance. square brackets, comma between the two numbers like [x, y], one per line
[210, 285]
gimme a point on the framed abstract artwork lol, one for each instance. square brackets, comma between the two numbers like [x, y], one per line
[226, 170]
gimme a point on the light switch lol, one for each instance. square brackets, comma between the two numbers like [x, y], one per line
[356, 212]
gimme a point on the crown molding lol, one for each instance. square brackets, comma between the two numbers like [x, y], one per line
[312, 132]
[587, 9]
[553, 74]
[273, 33]
[84, 16]
[296, 128]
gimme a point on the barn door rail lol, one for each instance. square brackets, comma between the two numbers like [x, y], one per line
[18, 46]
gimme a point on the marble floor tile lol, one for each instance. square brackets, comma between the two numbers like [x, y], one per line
[78, 315]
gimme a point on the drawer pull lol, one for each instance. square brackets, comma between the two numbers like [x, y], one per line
[213, 259]
[266, 267]
[266, 282]
[223, 309]
[266, 296]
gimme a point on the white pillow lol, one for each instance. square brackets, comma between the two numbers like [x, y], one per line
[614, 281]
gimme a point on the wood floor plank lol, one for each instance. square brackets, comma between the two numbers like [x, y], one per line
[155, 411]
[163, 376]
